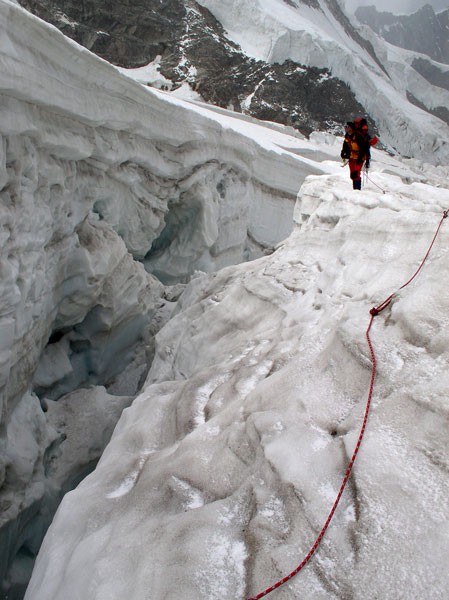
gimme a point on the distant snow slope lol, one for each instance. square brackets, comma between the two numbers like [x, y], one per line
[318, 34]
[424, 31]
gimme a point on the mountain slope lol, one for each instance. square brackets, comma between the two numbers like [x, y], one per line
[254, 366]
[320, 35]
[424, 36]
[191, 47]
[425, 31]
[298, 63]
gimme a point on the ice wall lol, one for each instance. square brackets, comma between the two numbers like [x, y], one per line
[222, 468]
[99, 175]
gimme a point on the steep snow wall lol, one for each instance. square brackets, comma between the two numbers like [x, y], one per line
[97, 171]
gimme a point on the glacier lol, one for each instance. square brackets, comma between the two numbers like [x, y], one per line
[173, 306]
[220, 474]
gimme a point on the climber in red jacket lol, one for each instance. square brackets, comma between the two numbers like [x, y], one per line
[356, 149]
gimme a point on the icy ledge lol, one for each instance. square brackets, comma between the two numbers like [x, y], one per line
[220, 474]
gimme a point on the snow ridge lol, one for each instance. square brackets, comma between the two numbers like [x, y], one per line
[268, 458]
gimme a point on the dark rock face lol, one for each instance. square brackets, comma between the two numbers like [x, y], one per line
[305, 98]
[130, 33]
[423, 31]
[298, 3]
[441, 112]
[193, 47]
[432, 73]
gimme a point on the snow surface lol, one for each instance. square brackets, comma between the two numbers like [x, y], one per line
[221, 472]
[150, 75]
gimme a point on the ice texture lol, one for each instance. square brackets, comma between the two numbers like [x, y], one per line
[219, 476]
[100, 175]
[222, 470]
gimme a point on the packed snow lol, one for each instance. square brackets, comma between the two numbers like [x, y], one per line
[220, 474]
[231, 448]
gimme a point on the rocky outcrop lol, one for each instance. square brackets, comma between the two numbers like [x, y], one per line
[130, 33]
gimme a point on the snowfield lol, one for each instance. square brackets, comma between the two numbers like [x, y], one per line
[231, 447]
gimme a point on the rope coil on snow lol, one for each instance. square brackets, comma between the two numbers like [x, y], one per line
[373, 312]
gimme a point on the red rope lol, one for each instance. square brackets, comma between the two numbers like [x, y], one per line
[373, 312]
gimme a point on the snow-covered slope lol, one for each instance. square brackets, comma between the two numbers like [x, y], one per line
[424, 31]
[317, 33]
[303, 63]
[188, 51]
[420, 79]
